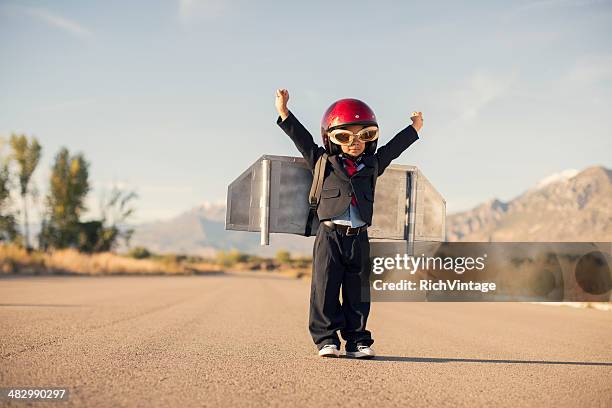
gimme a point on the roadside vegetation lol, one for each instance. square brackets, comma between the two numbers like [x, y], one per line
[15, 259]
[68, 244]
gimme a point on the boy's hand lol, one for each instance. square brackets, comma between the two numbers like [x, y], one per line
[417, 120]
[282, 96]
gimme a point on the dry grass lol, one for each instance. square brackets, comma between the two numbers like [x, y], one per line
[108, 263]
[14, 259]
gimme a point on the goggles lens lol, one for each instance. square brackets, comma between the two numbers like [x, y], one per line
[368, 135]
[345, 137]
[341, 137]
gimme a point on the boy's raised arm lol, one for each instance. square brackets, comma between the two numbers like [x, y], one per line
[400, 142]
[296, 131]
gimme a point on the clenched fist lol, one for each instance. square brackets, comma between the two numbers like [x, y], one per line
[417, 120]
[282, 96]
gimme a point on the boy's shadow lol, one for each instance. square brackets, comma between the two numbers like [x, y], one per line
[479, 360]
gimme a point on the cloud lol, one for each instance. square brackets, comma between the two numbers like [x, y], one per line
[590, 70]
[166, 189]
[72, 27]
[65, 105]
[547, 4]
[478, 91]
[144, 188]
[154, 214]
[191, 10]
[109, 185]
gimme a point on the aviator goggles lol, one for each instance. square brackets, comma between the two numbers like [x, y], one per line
[345, 137]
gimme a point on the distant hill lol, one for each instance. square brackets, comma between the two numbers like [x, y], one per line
[201, 231]
[569, 206]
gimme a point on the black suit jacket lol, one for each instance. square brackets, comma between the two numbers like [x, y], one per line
[338, 187]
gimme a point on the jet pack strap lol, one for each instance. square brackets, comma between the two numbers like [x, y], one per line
[315, 191]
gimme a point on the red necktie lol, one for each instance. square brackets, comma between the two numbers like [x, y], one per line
[351, 169]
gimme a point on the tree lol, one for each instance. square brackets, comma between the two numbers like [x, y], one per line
[115, 211]
[27, 155]
[69, 185]
[8, 230]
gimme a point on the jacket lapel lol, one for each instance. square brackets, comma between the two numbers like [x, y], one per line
[369, 163]
[339, 169]
[368, 160]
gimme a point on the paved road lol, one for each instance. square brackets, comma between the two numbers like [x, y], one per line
[243, 341]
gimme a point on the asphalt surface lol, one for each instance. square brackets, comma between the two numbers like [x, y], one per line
[243, 341]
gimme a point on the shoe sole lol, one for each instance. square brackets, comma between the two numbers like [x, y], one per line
[361, 356]
[331, 354]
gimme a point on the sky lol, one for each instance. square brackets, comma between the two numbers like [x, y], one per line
[174, 99]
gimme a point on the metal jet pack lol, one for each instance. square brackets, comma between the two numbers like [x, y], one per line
[271, 196]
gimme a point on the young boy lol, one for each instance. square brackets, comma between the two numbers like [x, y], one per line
[341, 252]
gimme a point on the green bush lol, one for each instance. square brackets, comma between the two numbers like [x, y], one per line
[172, 258]
[139, 253]
[231, 258]
[302, 262]
[283, 257]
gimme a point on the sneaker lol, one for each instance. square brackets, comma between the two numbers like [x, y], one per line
[329, 350]
[362, 352]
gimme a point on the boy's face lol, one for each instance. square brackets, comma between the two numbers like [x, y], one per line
[358, 146]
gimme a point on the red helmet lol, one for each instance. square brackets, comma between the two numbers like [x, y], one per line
[347, 112]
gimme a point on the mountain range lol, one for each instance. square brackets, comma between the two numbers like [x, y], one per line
[570, 206]
[201, 231]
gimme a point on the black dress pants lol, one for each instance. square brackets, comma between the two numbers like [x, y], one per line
[340, 262]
